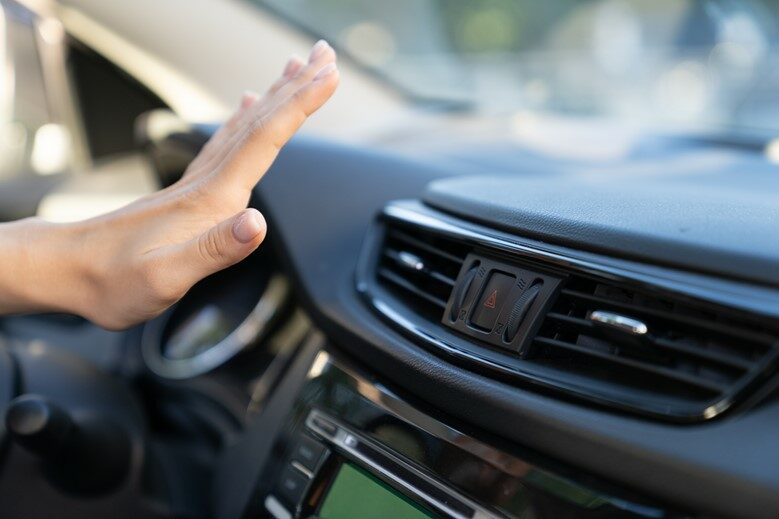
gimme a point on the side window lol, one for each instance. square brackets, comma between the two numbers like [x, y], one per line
[24, 108]
[109, 101]
[26, 125]
[66, 114]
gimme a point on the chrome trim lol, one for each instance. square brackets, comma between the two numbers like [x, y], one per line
[303, 470]
[411, 261]
[334, 370]
[619, 322]
[284, 344]
[363, 451]
[276, 509]
[251, 329]
[396, 406]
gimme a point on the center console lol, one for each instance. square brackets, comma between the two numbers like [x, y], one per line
[352, 447]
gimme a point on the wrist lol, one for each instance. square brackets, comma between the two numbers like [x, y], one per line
[45, 267]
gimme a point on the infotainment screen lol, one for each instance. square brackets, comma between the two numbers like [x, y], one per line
[355, 494]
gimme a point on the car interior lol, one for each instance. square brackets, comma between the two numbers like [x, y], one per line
[525, 264]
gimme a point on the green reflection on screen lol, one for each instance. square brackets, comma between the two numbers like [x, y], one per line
[356, 494]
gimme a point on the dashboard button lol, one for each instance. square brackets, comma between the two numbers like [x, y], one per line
[324, 426]
[487, 308]
[309, 452]
[291, 486]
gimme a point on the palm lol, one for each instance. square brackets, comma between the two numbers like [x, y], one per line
[177, 236]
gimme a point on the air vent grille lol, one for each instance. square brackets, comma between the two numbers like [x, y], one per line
[420, 267]
[690, 355]
[667, 346]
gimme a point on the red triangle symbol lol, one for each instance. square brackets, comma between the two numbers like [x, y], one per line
[492, 300]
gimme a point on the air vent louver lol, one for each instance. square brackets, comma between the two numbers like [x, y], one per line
[420, 268]
[691, 357]
[670, 346]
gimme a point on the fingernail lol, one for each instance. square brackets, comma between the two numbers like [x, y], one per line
[293, 65]
[247, 226]
[248, 98]
[328, 69]
[317, 50]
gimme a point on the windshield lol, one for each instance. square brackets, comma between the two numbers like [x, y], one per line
[690, 63]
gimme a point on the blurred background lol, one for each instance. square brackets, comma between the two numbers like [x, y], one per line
[704, 62]
[572, 78]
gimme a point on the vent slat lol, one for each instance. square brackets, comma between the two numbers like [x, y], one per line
[395, 256]
[711, 327]
[690, 355]
[405, 284]
[420, 268]
[668, 374]
[719, 358]
[402, 236]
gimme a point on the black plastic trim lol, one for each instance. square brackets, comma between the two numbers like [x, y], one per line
[747, 300]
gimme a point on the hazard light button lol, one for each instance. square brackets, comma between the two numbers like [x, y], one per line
[487, 308]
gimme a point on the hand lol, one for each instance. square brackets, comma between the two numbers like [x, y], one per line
[129, 265]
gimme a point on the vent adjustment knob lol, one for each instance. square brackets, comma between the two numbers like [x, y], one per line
[462, 290]
[518, 313]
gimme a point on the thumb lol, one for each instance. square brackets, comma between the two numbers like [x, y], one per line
[221, 246]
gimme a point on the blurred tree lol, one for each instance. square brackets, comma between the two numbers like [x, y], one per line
[496, 26]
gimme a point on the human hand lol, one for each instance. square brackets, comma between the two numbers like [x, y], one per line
[131, 264]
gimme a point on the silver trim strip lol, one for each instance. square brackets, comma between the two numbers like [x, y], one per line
[510, 465]
[350, 442]
[254, 326]
[276, 509]
[284, 343]
[303, 470]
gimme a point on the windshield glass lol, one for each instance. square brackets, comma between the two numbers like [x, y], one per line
[691, 63]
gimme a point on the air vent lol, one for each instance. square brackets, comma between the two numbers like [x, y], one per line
[676, 346]
[650, 352]
[420, 268]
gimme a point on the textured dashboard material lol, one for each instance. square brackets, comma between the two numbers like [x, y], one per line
[726, 229]
[320, 200]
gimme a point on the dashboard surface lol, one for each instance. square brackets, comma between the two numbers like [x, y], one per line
[700, 225]
[722, 467]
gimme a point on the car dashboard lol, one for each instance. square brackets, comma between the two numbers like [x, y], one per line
[418, 340]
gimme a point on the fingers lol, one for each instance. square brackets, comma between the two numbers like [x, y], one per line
[248, 143]
[221, 246]
[273, 124]
[321, 54]
[290, 70]
[214, 149]
[222, 142]
[247, 99]
[242, 115]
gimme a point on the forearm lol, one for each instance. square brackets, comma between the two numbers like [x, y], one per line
[42, 267]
